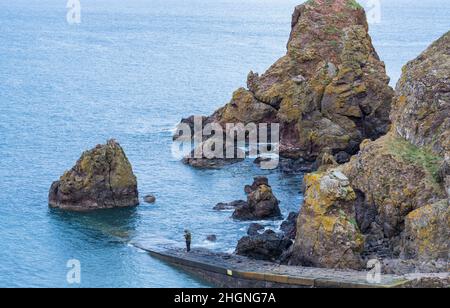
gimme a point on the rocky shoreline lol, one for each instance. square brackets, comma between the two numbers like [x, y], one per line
[378, 185]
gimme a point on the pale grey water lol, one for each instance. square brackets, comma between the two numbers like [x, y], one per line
[130, 71]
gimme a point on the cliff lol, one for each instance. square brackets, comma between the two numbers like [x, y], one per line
[400, 207]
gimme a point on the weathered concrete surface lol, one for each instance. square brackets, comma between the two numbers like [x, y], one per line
[225, 270]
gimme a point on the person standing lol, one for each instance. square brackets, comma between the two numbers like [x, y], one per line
[188, 238]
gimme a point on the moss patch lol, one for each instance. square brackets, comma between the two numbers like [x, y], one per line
[415, 155]
[354, 5]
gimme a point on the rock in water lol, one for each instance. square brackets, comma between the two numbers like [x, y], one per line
[102, 178]
[267, 246]
[392, 201]
[254, 229]
[289, 226]
[261, 203]
[229, 206]
[329, 91]
[211, 238]
[150, 199]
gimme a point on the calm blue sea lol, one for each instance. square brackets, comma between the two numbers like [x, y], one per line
[131, 70]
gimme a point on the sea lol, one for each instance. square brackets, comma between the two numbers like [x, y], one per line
[130, 70]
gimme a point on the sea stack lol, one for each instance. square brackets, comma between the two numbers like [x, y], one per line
[101, 179]
[328, 93]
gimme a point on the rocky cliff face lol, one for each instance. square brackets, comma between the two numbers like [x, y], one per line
[102, 178]
[329, 92]
[400, 203]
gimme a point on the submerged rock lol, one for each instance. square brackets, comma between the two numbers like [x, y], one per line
[261, 203]
[211, 238]
[267, 246]
[329, 91]
[102, 178]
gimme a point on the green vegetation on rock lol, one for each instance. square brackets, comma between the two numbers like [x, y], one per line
[415, 155]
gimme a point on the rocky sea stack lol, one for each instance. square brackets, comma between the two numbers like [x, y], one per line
[261, 202]
[328, 93]
[101, 179]
[391, 201]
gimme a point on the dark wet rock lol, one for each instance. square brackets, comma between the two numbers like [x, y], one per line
[261, 202]
[150, 199]
[267, 246]
[254, 229]
[289, 166]
[342, 157]
[289, 226]
[211, 238]
[260, 160]
[229, 206]
[102, 178]
[204, 156]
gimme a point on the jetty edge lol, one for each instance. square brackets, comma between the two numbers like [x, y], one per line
[233, 271]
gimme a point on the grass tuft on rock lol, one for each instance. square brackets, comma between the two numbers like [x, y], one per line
[415, 155]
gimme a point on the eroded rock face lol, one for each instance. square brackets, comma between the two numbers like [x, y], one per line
[427, 232]
[267, 246]
[261, 202]
[392, 178]
[421, 113]
[399, 204]
[327, 232]
[102, 178]
[329, 91]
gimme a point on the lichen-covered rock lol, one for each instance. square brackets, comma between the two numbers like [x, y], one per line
[427, 232]
[261, 202]
[327, 232]
[267, 246]
[229, 206]
[329, 91]
[421, 113]
[102, 178]
[400, 203]
[391, 177]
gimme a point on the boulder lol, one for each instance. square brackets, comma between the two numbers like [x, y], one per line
[261, 202]
[102, 178]
[150, 199]
[427, 233]
[330, 90]
[254, 229]
[205, 155]
[391, 200]
[267, 246]
[229, 206]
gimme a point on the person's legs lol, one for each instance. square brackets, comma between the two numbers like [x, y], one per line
[188, 246]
